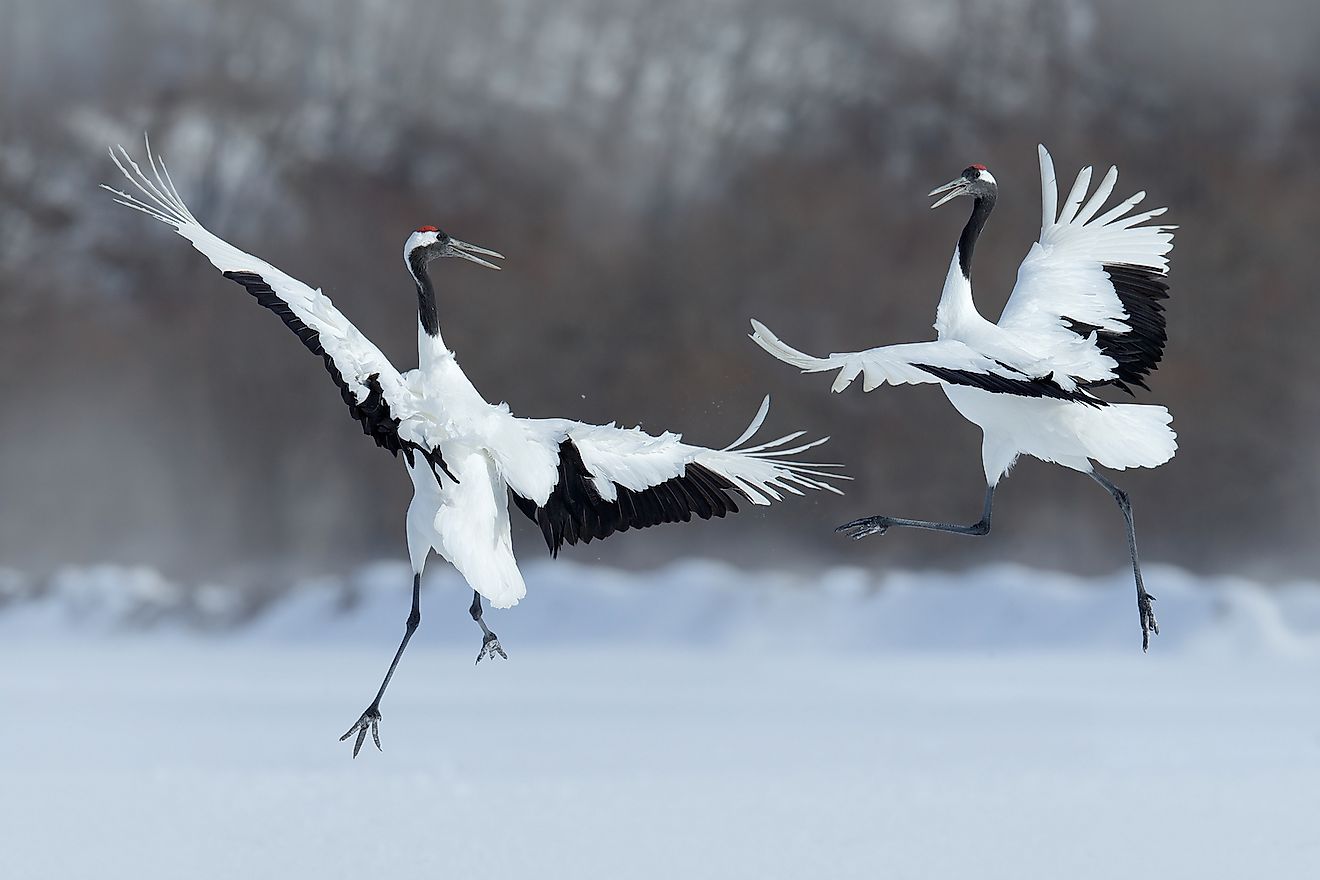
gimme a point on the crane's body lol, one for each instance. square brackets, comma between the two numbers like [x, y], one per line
[1086, 312]
[464, 455]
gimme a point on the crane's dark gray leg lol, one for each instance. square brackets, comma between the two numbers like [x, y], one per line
[371, 718]
[490, 643]
[878, 525]
[1148, 622]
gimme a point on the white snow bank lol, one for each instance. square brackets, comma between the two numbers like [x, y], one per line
[703, 604]
[165, 758]
[694, 722]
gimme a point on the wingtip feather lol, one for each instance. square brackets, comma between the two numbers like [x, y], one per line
[157, 194]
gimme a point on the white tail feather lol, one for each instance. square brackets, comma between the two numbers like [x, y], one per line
[1127, 435]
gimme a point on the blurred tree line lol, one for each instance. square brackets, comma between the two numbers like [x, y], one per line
[656, 173]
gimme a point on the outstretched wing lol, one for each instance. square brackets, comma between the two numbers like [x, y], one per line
[945, 360]
[1090, 291]
[374, 391]
[580, 482]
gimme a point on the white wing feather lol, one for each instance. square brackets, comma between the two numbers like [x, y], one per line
[1063, 280]
[354, 356]
[527, 452]
[888, 364]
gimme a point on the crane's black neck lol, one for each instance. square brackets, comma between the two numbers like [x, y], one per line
[985, 203]
[427, 312]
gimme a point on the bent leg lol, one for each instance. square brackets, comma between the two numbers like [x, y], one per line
[878, 525]
[371, 717]
[1148, 622]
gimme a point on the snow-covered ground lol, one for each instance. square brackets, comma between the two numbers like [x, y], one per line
[695, 722]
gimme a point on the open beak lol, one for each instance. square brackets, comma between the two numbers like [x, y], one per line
[951, 190]
[470, 251]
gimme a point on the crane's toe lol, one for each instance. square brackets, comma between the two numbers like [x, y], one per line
[370, 720]
[490, 646]
[862, 528]
[1149, 624]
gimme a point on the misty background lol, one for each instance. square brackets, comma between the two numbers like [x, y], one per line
[657, 174]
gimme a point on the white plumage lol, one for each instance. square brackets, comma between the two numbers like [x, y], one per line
[1086, 312]
[578, 482]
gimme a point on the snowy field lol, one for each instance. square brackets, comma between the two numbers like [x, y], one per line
[694, 722]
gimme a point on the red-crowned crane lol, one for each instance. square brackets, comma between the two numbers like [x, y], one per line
[577, 482]
[1087, 311]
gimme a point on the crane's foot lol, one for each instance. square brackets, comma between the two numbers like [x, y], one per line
[862, 528]
[490, 646]
[370, 720]
[1149, 624]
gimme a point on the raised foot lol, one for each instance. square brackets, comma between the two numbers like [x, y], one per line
[1149, 624]
[370, 720]
[862, 528]
[490, 646]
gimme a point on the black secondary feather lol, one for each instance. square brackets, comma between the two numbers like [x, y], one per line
[576, 513]
[373, 412]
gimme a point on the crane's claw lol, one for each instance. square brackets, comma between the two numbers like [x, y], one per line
[861, 528]
[1148, 622]
[370, 720]
[490, 646]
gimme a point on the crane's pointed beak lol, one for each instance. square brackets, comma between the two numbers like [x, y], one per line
[952, 190]
[470, 251]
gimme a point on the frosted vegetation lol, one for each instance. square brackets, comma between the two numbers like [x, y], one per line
[657, 173]
[694, 604]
